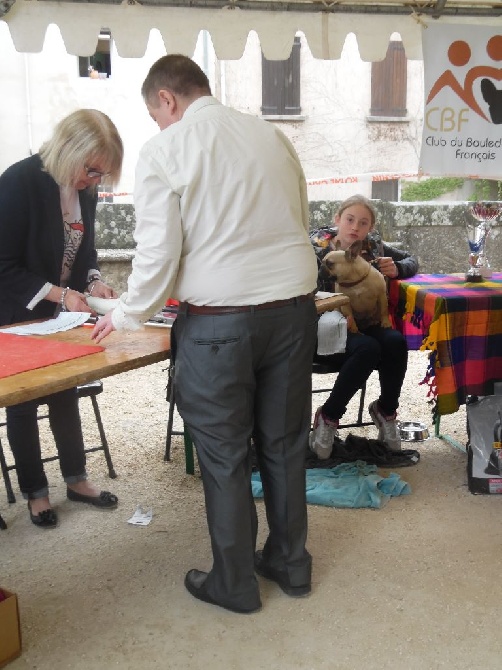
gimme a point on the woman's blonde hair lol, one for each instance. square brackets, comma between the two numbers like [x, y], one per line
[79, 140]
[358, 200]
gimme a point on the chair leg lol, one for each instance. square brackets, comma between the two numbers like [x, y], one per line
[189, 458]
[104, 442]
[170, 416]
[5, 472]
[360, 421]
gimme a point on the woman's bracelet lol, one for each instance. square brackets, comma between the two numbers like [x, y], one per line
[93, 284]
[62, 299]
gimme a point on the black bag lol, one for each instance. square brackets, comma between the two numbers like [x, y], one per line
[484, 446]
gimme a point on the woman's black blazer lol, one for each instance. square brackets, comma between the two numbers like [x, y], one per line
[32, 242]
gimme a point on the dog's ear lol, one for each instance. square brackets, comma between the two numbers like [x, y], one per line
[338, 244]
[354, 250]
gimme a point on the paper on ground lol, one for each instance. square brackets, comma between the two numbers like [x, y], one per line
[64, 321]
[141, 518]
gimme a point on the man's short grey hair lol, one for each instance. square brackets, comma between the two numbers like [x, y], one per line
[178, 74]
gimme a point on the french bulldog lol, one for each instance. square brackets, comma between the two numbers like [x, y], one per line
[362, 283]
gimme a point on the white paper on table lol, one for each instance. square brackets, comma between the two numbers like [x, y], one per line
[331, 333]
[64, 321]
[321, 295]
[141, 518]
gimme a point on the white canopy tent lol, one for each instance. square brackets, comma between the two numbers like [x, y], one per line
[325, 24]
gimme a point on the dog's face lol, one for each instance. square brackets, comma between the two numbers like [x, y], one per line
[343, 265]
[362, 283]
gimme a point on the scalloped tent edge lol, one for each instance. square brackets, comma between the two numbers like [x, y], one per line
[130, 24]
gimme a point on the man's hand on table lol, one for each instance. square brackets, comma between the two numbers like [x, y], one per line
[102, 328]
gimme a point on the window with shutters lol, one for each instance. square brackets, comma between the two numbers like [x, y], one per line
[388, 83]
[281, 84]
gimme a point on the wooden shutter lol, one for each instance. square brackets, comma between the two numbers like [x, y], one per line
[281, 83]
[388, 83]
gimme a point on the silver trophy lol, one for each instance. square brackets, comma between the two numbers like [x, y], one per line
[478, 228]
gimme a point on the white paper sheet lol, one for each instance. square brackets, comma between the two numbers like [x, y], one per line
[64, 321]
[140, 517]
[321, 295]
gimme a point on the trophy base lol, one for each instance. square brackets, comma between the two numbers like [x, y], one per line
[473, 278]
[478, 273]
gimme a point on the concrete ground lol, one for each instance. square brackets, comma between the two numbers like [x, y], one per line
[411, 585]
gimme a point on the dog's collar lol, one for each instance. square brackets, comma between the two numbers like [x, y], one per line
[350, 284]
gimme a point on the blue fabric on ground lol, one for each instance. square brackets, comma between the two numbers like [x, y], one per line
[355, 484]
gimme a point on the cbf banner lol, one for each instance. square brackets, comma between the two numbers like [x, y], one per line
[462, 134]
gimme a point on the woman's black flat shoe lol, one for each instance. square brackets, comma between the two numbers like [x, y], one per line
[105, 499]
[45, 519]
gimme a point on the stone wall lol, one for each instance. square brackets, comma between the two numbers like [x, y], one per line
[434, 232]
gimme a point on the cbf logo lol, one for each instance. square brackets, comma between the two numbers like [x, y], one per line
[478, 91]
[462, 133]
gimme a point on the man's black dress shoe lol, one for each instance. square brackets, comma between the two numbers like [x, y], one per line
[195, 583]
[105, 499]
[45, 519]
[279, 577]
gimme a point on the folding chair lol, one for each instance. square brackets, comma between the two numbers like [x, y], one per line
[90, 390]
[323, 369]
[189, 456]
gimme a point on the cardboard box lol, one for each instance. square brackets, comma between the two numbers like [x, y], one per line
[10, 628]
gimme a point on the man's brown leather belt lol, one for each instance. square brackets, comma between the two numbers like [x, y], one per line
[187, 308]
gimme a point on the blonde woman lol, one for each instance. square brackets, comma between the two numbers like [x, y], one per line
[47, 261]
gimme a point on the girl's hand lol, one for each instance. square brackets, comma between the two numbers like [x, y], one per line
[387, 267]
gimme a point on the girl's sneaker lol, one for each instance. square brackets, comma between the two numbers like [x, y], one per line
[388, 429]
[322, 436]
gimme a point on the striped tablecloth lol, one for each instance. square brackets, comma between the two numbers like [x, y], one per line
[460, 323]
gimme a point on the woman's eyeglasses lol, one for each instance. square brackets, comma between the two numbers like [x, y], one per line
[93, 173]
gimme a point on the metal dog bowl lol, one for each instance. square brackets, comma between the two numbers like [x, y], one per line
[413, 431]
